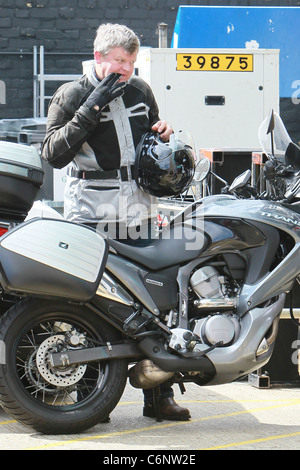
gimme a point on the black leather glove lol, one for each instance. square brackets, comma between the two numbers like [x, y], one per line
[107, 90]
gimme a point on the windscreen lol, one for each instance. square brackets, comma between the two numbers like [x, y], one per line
[274, 143]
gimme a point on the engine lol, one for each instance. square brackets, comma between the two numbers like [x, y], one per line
[216, 298]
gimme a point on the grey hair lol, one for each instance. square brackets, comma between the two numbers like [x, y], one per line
[115, 35]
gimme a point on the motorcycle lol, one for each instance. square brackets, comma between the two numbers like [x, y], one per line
[200, 303]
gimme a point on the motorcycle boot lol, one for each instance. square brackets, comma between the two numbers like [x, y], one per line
[167, 409]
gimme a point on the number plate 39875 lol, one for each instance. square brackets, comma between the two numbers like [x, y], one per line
[215, 62]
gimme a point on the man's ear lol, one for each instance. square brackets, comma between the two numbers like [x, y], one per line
[98, 57]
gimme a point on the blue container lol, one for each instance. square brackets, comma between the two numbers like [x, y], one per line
[233, 27]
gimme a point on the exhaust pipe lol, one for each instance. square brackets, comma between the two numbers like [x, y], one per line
[171, 363]
[147, 375]
[162, 31]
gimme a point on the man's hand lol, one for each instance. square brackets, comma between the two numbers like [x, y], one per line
[107, 90]
[164, 129]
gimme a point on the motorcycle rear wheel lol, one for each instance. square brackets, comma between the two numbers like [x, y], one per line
[64, 400]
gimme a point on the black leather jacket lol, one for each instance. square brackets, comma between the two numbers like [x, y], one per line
[70, 123]
[89, 141]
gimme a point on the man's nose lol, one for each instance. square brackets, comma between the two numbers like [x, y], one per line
[127, 66]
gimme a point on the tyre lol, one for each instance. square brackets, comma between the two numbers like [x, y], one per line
[68, 399]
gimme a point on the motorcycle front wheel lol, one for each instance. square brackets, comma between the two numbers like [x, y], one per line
[57, 400]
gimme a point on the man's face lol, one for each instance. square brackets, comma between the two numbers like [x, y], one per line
[117, 61]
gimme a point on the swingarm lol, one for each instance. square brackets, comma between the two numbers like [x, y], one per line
[101, 353]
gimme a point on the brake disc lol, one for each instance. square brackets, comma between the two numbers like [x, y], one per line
[62, 376]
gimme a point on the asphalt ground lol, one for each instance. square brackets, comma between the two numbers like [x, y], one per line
[236, 416]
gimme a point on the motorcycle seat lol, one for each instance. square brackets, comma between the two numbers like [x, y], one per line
[176, 246]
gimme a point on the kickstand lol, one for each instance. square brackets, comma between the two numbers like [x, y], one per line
[156, 397]
[182, 387]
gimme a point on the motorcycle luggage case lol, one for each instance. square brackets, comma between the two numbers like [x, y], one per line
[21, 175]
[52, 258]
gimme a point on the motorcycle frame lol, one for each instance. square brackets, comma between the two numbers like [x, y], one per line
[217, 364]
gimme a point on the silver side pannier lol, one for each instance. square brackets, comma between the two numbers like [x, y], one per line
[55, 258]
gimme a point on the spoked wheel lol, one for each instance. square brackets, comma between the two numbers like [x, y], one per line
[56, 400]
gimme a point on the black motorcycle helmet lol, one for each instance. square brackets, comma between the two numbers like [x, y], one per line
[163, 169]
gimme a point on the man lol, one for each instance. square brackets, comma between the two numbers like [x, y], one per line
[94, 125]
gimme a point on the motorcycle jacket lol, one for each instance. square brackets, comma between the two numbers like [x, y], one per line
[99, 149]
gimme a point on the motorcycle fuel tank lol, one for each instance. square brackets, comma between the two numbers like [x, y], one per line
[271, 213]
